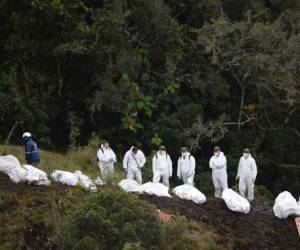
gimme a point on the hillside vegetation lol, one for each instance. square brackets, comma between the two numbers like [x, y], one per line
[195, 73]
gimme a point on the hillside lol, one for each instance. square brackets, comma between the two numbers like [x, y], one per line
[259, 229]
[30, 219]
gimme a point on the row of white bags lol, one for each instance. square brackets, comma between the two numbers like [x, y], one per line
[233, 200]
[150, 188]
[10, 166]
[73, 179]
[186, 192]
[285, 204]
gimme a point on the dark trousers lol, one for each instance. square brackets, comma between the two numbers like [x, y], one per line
[35, 164]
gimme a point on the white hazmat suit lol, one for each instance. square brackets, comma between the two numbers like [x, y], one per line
[218, 164]
[186, 168]
[247, 172]
[133, 163]
[162, 167]
[106, 159]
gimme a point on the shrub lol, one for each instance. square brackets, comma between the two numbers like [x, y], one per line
[183, 234]
[132, 246]
[263, 194]
[86, 243]
[110, 219]
[203, 182]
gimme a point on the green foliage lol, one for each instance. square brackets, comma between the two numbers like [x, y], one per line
[112, 219]
[263, 194]
[183, 234]
[87, 243]
[132, 246]
[203, 181]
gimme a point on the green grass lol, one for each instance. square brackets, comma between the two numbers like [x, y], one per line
[182, 233]
[83, 159]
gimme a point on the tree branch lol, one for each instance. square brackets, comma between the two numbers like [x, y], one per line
[239, 123]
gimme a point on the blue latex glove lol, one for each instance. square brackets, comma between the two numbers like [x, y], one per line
[113, 160]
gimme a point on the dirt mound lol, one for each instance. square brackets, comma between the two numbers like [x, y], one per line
[257, 230]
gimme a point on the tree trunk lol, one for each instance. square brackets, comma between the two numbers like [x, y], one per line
[241, 109]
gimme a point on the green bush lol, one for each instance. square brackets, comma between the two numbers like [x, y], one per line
[203, 182]
[263, 194]
[132, 246]
[87, 243]
[182, 234]
[110, 219]
[278, 177]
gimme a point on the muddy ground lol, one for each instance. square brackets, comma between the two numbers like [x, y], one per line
[257, 230]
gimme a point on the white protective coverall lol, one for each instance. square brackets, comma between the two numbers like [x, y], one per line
[133, 163]
[247, 172]
[106, 159]
[186, 168]
[162, 167]
[218, 164]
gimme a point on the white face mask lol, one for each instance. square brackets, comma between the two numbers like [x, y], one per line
[217, 153]
[184, 154]
[246, 155]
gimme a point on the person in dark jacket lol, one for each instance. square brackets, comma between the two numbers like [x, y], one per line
[32, 154]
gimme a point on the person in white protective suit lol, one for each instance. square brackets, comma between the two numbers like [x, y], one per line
[134, 160]
[218, 164]
[186, 167]
[106, 159]
[162, 166]
[246, 175]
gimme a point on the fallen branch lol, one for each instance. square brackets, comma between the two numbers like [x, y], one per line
[239, 123]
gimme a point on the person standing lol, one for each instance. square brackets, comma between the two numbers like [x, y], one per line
[32, 154]
[186, 167]
[247, 171]
[218, 164]
[106, 159]
[134, 160]
[162, 166]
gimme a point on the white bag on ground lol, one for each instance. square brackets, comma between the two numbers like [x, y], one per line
[36, 176]
[10, 166]
[65, 177]
[286, 205]
[188, 192]
[74, 179]
[99, 182]
[235, 202]
[156, 189]
[85, 181]
[129, 185]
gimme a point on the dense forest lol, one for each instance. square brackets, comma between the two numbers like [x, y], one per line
[173, 72]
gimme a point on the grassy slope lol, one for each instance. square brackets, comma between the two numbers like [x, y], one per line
[83, 159]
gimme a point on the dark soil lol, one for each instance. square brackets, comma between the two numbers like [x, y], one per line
[259, 229]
